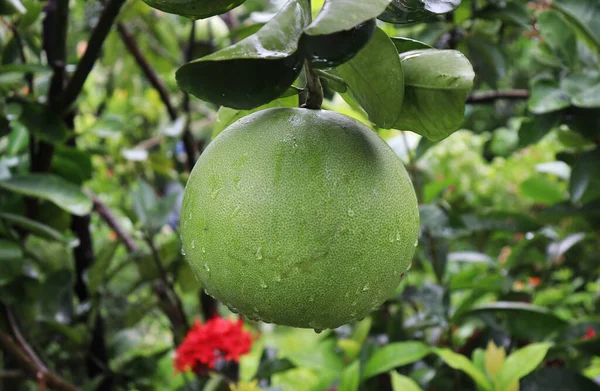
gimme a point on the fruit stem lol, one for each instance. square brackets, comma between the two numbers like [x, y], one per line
[314, 100]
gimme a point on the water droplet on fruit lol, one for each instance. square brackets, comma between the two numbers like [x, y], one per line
[350, 213]
[398, 236]
[206, 267]
[409, 266]
[255, 310]
[182, 251]
[190, 216]
[259, 255]
[318, 331]
[203, 250]
[235, 211]
[277, 278]
[391, 237]
[233, 309]
[347, 294]
[416, 242]
[366, 287]
[354, 303]
[263, 284]
[193, 244]
[311, 299]
[352, 314]
[215, 193]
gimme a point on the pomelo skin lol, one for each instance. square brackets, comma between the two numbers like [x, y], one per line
[299, 217]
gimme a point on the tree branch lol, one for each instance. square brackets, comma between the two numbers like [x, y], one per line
[164, 290]
[110, 219]
[492, 96]
[85, 65]
[27, 358]
[152, 77]
[43, 377]
[189, 144]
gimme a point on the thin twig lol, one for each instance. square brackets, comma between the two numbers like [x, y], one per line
[149, 72]
[11, 374]
[43, 377]
[92, 53]
[109, 217]
[492, 96]
[189, 144]
[165, 291]
[28, 349]
[27, 357]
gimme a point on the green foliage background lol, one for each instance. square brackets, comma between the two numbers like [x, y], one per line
[510, 204]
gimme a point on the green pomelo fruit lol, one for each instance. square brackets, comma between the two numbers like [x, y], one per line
[195, 9]
[300, 217]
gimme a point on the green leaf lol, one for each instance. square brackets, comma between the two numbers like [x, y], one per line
[195, 9]
[350, 379]
[255, 70]
[542, 190]
[249, 363]
[73, 164]
[375, 79]
[546, 96]
[340, 15]
[584, 16]
[524, 320]
[38, 229]
[409, 11]
[9, 250]
[9, 7]
[521, 363]
[488, 58]
[226, 116]
[557, 33]
[328, 51]
[97, 273]
[11, 261]
[39, 120]
[462, 363]
[152, 213]
[585, 182]
[394, 355]
[437, 83]
[22, 69]
[403, 383]
[557, 379]
[52, 188]
[511, 12]
[320, 357]
[407, 44]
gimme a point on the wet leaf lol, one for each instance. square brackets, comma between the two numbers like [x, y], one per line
[436, 86]
[341, 15]
[375, 79]
[332, 50]
[409, 11]
[255, 70]
[407, 44]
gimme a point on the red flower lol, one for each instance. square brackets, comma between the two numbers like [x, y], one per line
[589, 334]
[206, 343]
